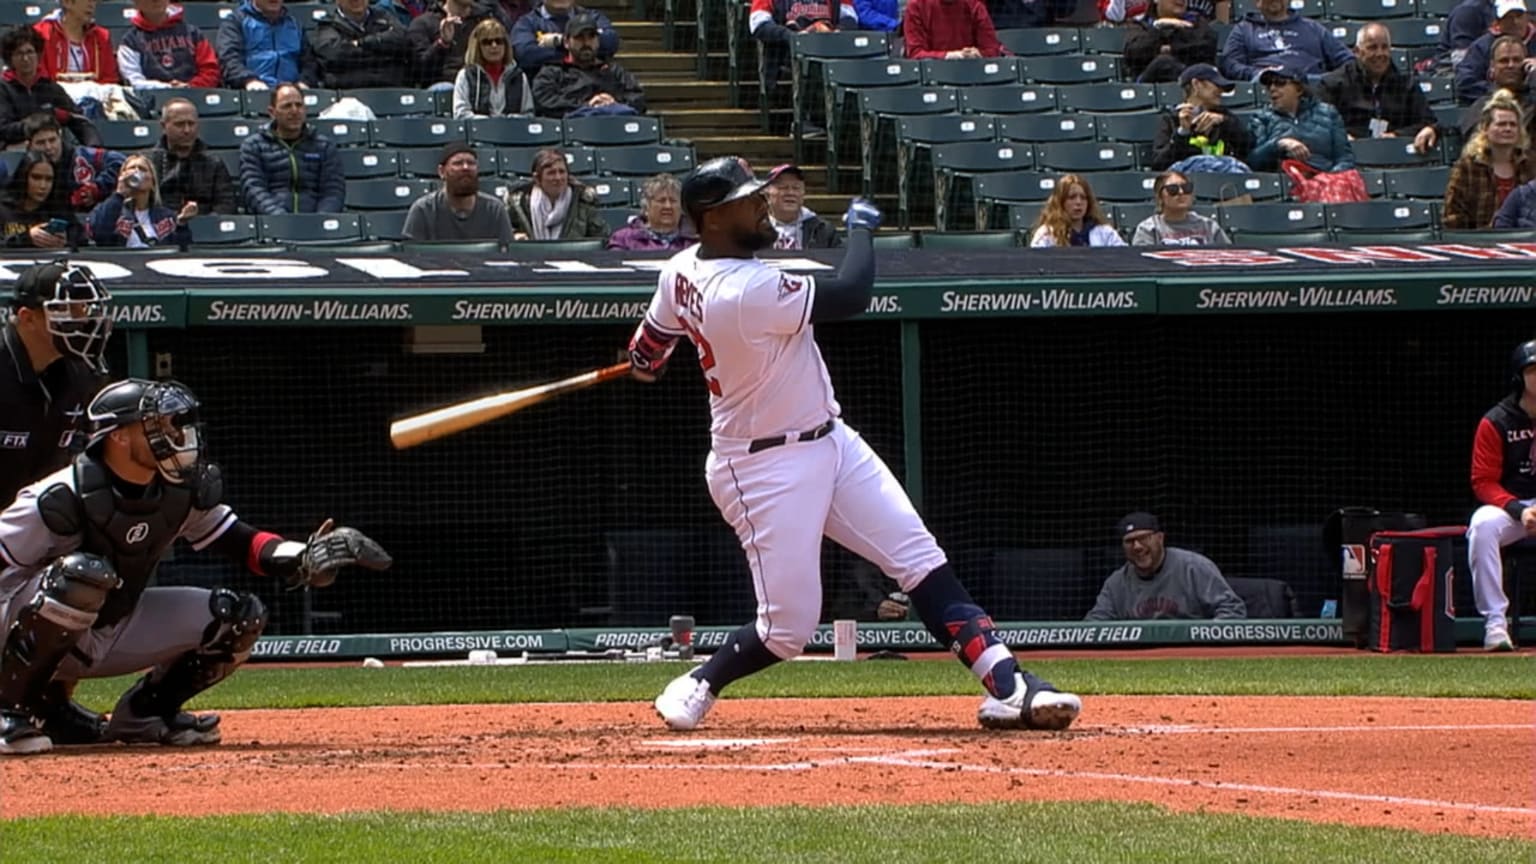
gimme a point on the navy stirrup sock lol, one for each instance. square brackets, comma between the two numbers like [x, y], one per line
[965, 629]
[742, 654]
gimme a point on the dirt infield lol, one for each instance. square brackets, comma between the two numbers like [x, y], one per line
[1412, 763]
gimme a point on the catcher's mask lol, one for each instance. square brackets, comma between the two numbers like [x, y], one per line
[74, 303]
[168, 414]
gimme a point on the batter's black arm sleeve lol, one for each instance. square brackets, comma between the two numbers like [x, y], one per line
[846, 293]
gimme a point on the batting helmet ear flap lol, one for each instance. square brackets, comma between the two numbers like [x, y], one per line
[1524, 355]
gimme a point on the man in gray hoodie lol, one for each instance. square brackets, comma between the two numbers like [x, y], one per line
[1276, 36]
[1158, 581]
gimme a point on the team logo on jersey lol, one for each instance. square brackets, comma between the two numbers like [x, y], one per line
[138, 532]
[788, 286]
[14, 440]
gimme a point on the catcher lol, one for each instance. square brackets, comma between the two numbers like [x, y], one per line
[79, 547]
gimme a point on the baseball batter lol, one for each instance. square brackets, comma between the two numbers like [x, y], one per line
[78, 548]
[784, 470]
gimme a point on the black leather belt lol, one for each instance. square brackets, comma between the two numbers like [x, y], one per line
[765, 443]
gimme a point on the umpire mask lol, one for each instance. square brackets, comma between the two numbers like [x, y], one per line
[75, 304]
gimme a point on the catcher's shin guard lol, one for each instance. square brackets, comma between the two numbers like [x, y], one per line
[238, 620]
[72, 591]
[68, 722]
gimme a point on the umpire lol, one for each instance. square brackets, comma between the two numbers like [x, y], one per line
[50, 366]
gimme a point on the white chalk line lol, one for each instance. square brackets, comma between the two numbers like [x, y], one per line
[1291, 730]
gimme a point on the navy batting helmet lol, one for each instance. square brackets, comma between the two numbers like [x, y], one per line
[718, 181]
[1523, 356]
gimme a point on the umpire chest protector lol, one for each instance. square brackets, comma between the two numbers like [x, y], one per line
[133, 534]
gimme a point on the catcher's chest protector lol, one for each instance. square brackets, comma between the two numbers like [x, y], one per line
[1410, 589]
[133, 534]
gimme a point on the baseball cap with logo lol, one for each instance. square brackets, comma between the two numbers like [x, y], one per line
[1204, 72]
[1138, 521]
[581, 22]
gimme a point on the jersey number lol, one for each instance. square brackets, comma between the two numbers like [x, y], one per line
[685, 295]
[706, 356]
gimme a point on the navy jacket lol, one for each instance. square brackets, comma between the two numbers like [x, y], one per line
[525, 38]
[305, 177]
[1519, 209]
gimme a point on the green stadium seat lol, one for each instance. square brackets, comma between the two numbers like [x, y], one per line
[393, 101]
[1223, 187]
[887, 240]
[223, 230]
[1107, 39]
[1040, 41]
[1436, 8]
[1306, 8]
[1389, 238]
[916, 137]
[616, 217]
[1244, 95]
[1344, 31]
[1008, 99]
[1438, 89]
[1139, 128]
[1110, 97]
[385, 194]
[644, 160]
[878, 109]
[613, 131]
[114, 14]
[844, 81]
[1070, 69]
[1415, 32]
[305, 228]
[464, 247]
[384, 224]
[422, 161]
[416, 131]
[360, 164]
[1484, 236]
[1127, 216]
[1292, 238]
[348, 246]
[1022, 217]
[207, 16]
[1009, 187]
[954, 166]
[209, 102]
[531, 248]
[1276, 218]
[811, 51]
[968, 240]
[613, 191]
[1132, 187]
[126, 135]
[1368, 10]
[254, 103]
[1392, 153]
[1098, 156]
[516, 131]
[26, 12]
[1380, 216]
[1053, 127]
[518, 161]
[1426, 184]
[978, 72]
[308, 14]
[345, 133]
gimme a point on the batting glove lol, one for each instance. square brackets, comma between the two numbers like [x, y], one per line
[861, 214]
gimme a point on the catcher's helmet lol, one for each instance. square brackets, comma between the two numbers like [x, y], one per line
[718, 181]
[74, 303]
[168, 413]
[1524, 355]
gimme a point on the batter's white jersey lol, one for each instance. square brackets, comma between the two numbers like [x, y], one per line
[751, 324]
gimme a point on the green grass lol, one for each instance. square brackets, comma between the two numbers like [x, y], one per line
[1504, 676]
[1052, 831]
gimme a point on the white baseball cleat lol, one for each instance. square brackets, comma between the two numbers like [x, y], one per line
[1047, 707]
[1496, 638]
[684, 703]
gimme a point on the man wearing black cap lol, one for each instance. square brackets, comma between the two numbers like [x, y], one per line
[459, 210]
[50, 366]
[582, 83]
[1198, 126]
[1158, 581]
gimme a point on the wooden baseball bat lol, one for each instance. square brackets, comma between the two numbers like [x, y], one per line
[442, 422]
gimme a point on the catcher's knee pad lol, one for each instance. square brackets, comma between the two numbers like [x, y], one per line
[72, 590]
[238, 620]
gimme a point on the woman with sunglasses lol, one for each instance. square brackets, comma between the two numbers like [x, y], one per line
[1176, 223]
[490, 84]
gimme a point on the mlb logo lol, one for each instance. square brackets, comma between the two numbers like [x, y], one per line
[1354, 561]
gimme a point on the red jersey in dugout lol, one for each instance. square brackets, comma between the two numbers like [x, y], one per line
[1410, 590]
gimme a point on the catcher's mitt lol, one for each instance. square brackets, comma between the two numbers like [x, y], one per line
[329, 549]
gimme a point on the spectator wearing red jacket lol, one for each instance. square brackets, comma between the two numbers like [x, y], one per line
[949, 30]
[75, 47]
[163, 50]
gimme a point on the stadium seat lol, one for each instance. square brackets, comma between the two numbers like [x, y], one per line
[644, 160]
[26, 12]
[114, 14]
[9, 159]
[968, 240]
[209, 102]
[302, 228]
[1022, 218]
[615, 217]
[534, 248]
[613, 131]
[1426, 184]
[1112, 96]
[1131, 187]
[223, 230]
[1438, 89]
[1040, 41]
[359, 164]
[1415, 32]
[1436, 8]
[207, 16]
[1127, 216]
[516, 131]
[1244, 95]
[125, 135]
[307, 14]
[1278, 218]
[917, 136]
[808, 52]
[1224, 187]
[1007, 188]
[1097, 156]
[518, 161]
[1380, 216]
[1008, 99]
[1107, 39]
[384, 224]
[1070, 69]
[979, 72]
[345, 133]
[1368, 10]
[385, 194]
[461, 247]
[1386, 238]
[1392, 153]
[416, 131]
[1271, 240]
[1482, 236]
[1139, 128]
[845, 80]
[1055, 127]
[878, 110]
[1344, 31]
[394, 101]
[423, 161]
[955, 164]
[254, 103]
[895, 240]
[1305, 8]
[612, 191]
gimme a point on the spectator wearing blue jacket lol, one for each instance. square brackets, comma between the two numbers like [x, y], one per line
[538, 38]
[288, 167]
[260, 46]
[1275, 36]
[1297, 125]
[1475, 72]
[1519, 209]
[1468, 21]
[881, 15]
[1013, 14]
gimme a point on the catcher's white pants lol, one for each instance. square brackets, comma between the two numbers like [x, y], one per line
[783, 499]
[1491, 530]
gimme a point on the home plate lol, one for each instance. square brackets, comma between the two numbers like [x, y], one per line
[717, 743]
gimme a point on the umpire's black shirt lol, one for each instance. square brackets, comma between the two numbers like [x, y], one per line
[39, 414]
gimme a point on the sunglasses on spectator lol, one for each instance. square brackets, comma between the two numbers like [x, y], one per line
[1177, 189]
[494, 40]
